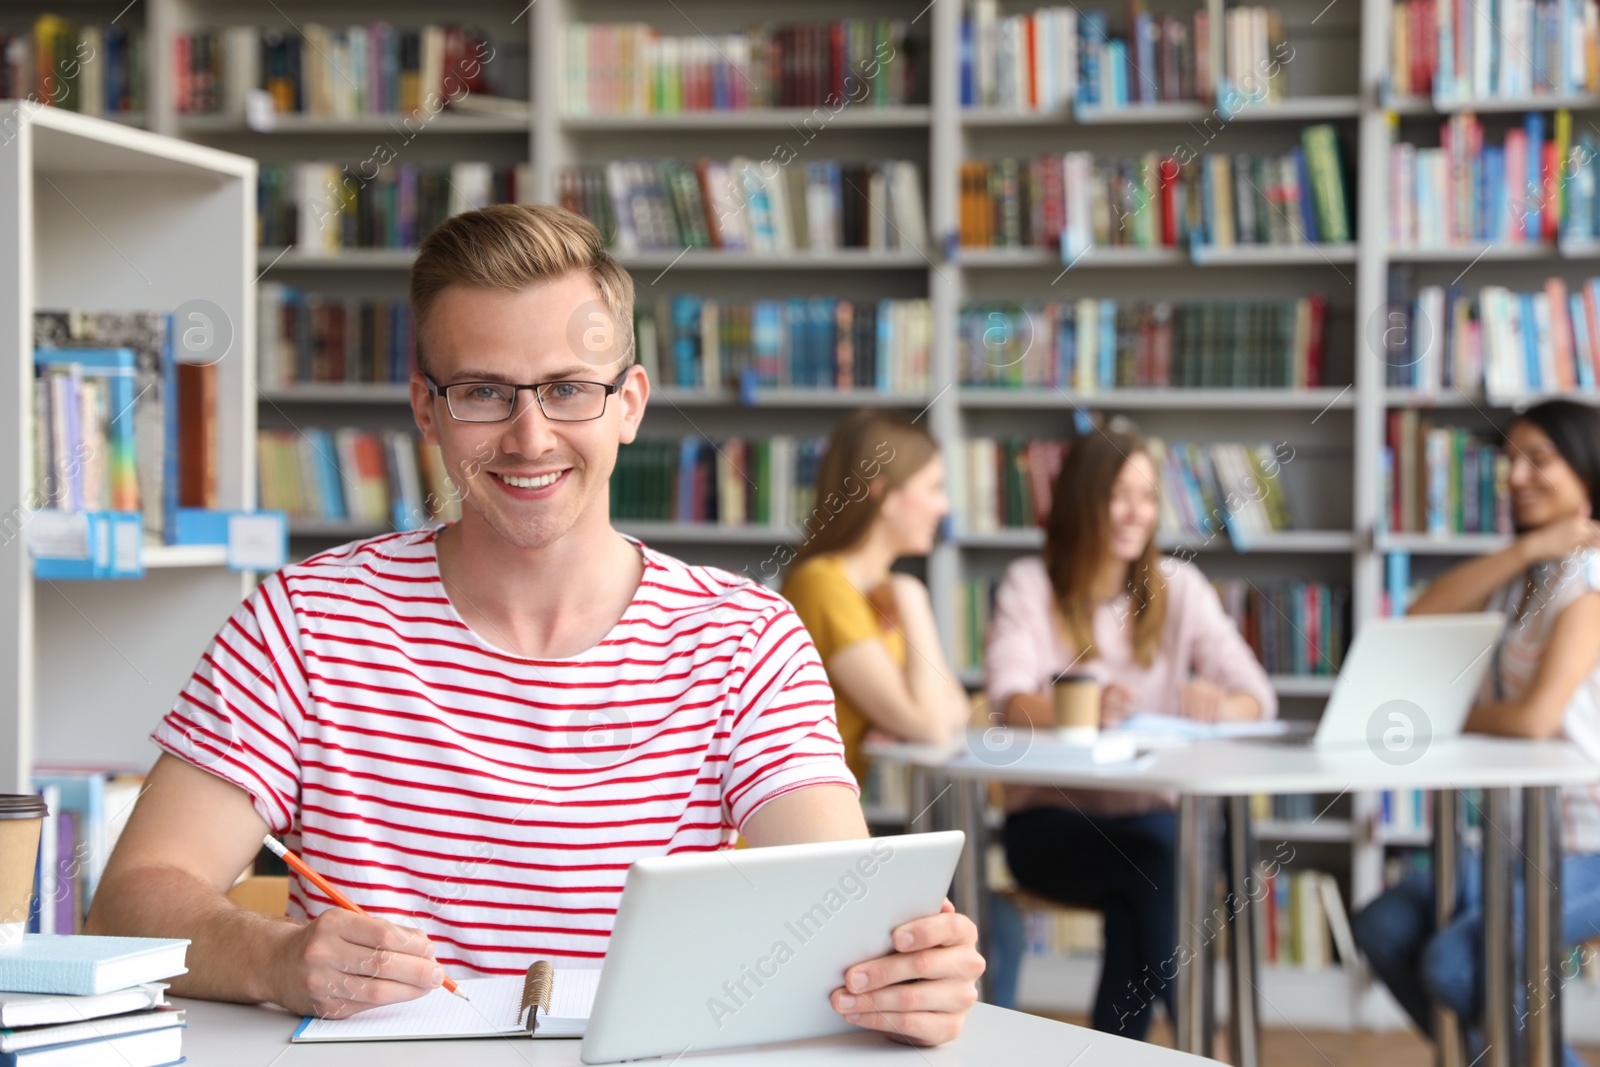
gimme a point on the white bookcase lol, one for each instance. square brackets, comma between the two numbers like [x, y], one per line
[98, 216]
[1338, 75]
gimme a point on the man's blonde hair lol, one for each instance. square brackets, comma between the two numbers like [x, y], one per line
[509, 247]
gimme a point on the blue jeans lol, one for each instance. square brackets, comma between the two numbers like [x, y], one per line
[1422, 966]
[1125, 867]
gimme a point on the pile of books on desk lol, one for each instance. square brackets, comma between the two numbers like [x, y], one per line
[87, 1001]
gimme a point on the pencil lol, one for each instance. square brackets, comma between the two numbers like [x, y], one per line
[277, 849]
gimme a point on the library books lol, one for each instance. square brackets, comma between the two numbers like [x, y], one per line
[329, 72]
[1155, 200]
[1515, 49]
[88, 809]
[98, 70]
[730, 482]
[1442, 479]
[1060, 56]
[1293, 627]
[696, 342]
[633, 69]
[1574, 183]
[1300, 918]
[1467, 191]
[121, 424]
[314, 337]
[975, 610]
[1497, 342]
[367, 479]
[1413, 46]
[770, 206]
[1206, 490]
[1090, 344]
[323, 208]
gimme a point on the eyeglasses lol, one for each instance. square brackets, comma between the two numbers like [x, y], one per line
[562, 401]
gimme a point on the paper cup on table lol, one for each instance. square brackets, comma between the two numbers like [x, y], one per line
[21, 818]
[1077, 706]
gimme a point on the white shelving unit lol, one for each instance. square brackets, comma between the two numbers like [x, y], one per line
[98, 216]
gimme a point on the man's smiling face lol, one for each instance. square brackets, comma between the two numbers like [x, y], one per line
[531, 479]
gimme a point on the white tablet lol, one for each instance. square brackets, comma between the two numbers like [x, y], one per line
[716, 949]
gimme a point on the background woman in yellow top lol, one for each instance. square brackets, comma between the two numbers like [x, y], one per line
[880, 496]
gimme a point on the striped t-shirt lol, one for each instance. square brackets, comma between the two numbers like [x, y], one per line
[490, 800]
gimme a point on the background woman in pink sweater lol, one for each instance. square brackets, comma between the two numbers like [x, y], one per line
[1101, 601]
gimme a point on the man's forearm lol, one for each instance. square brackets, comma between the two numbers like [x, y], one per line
[232, 949]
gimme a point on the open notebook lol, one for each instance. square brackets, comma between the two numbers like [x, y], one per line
[547, 1002]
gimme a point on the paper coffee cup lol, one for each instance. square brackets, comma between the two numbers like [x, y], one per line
[1077, 708]
[21, 819]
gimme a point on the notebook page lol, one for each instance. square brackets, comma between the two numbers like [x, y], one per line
[495, 1005]
[572, 993]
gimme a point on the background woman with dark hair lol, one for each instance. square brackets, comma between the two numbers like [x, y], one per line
[1544, 681]
[880, 496]
[1151, 629]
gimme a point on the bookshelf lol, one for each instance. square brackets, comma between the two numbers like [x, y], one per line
[113, 218]
[1339, 76]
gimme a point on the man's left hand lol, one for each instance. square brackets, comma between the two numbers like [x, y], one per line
[920, 993]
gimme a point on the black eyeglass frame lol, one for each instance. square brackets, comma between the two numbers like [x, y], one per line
[438, 390]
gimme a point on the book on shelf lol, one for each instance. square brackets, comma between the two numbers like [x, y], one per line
[1442, 480]
[1090, 344]
[1403, 811]
[120, 423]
[1156, 200]
[315, 337]
[632, 68]
[88, 809]
[1511, 50]
[329, 72]
[1006, 483]
[1469, 192]
[1293, 627]
[1495, 342]
[324, 208]
[1413, 46]
[1300, 918]
[737, 481]
[688, 341]
[364, 478]
[1220, 487]
[769, 206]
[1285, 807]
[93, 69]
[1060, 56]
[975, 609]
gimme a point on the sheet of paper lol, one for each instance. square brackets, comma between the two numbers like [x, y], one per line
[493, 1009]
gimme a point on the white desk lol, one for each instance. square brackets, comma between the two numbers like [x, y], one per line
[1206, 771]
[235, 1035]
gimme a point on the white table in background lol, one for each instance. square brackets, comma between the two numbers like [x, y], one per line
[1208, 772]
[236, 1035]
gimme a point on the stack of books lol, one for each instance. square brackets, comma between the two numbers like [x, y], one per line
[633, 69]
[694, 342]
[1075, 201]
[364, 479]
[98, 70]
[329, 72]
[323, 208]
[1469, 192]
[1088, 344]
[771, 206]
[90, 1001]
[731, 482]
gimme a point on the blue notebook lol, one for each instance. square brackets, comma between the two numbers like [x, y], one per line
[79, 965]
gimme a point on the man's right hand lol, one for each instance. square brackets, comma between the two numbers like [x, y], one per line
[342, 963]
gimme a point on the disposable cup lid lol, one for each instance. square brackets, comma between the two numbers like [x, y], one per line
[22, 806]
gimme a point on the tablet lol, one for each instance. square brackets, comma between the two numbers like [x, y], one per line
[717, 949]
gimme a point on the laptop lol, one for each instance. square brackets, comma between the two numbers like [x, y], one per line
[718, 949]
[1408, 679]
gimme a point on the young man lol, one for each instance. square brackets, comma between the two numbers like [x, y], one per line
[474, 730]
